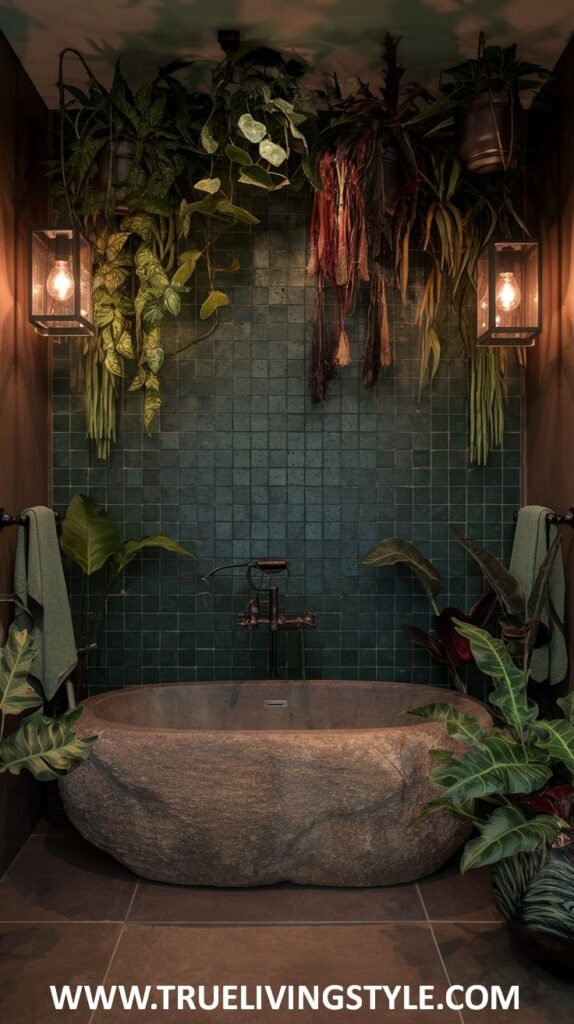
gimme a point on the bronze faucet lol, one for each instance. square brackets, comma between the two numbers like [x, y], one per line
[274, 620]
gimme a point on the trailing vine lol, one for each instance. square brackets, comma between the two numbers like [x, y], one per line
[154, 218]
[155, 177]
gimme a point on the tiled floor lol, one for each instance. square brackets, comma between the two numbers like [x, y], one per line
[71, 915]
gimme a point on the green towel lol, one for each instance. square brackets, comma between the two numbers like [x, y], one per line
[532, 538]
[42, 604]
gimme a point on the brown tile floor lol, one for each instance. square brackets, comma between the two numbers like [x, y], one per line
[71, 915]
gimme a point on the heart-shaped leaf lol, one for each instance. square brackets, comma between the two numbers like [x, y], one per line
[187, 264]
[238, 155]
[211, 185]
[125, 346]
[256, 175]
[273, 153]
[207, 141]
[214, 300]
[138, 381]
[253, 130]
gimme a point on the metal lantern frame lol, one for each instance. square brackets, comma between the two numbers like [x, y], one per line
[72, 323]
[519, 334]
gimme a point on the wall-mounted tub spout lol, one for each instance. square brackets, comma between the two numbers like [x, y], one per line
[274, 620]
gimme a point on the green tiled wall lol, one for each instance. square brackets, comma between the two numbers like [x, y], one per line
[242, 465]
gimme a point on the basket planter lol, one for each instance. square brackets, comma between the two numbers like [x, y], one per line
[489, 132]
[535, 894]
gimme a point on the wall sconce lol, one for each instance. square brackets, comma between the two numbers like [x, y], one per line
[60, 282]
[508, 294]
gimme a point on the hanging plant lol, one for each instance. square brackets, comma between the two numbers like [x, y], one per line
[362, 218]
[481, 102]
[132, 165]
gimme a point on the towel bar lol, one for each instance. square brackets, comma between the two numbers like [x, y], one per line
[555, 520]
[7, 520]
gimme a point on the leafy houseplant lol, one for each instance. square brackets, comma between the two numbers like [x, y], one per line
[521, 623]
[91, 538]
[46, 747]
[154, 215]
[517, 785]
[482, 100]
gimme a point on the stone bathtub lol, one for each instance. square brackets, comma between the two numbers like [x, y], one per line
[234, 784]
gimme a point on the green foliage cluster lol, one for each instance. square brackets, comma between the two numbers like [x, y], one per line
[149, 230]
[502, 768]
[46, 747]
[91, 538]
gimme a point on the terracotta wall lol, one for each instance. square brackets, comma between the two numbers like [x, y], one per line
[24, 367]
[549, 441]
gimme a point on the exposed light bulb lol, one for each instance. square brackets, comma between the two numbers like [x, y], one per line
[507, 292]
[60, 283]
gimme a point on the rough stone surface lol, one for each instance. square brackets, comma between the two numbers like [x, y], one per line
[207, 785]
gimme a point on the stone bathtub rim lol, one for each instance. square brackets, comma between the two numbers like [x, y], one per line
[91, 704]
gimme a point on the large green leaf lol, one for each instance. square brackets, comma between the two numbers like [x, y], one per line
[497, 766]
[505, 585]
[211, 185]
[459, 724]
[16, 659]
[46, 747]
[131, 548]
[510, 690]
[394, 550]
[90, 535]
[556, 737]
[507, 832]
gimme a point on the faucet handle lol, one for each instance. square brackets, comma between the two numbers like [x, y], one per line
[250, 618]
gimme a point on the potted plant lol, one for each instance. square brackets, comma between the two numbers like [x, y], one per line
[91, 538]
[482, 100]
[521, 622]
[517, 785]
[46, 747]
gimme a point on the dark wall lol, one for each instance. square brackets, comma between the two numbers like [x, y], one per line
[243, 465]
[24, 367]
[549, 477]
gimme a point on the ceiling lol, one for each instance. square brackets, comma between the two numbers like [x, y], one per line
[341, 34]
